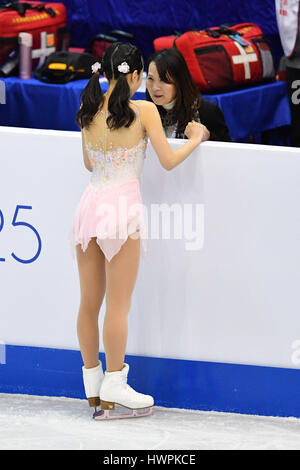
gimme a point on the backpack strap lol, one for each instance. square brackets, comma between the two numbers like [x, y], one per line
[22, 7]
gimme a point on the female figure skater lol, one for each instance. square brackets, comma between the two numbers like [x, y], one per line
[170, 86]
[114, 131]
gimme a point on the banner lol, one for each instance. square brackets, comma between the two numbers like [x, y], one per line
[287, 13]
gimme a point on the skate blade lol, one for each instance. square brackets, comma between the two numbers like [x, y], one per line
[121, 412]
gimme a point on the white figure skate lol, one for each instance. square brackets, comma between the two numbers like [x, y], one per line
[92, 380]
[119, 400]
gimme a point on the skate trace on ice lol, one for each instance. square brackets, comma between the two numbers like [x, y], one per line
[32, 422]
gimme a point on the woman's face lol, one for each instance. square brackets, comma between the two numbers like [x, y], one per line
[161, 92]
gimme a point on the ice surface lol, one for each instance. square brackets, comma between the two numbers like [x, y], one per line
[31, 422]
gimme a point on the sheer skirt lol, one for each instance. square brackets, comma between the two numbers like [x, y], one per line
[112, 215]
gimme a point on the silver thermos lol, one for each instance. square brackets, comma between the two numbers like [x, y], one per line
[25, 67]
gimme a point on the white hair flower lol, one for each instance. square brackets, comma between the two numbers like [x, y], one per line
[95, 67]
[124, 67]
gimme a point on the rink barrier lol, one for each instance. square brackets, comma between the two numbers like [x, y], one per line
[237, 307]
[237, 388]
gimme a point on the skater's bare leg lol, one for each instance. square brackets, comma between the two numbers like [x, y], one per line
[91, 266]
[121, 275]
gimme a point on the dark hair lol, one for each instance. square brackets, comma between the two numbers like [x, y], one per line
[92, 98]
[172, 68]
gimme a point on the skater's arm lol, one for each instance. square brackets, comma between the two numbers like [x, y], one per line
[86, 160]
[168, 158]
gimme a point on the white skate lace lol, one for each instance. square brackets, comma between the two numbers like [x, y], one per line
[126, 386]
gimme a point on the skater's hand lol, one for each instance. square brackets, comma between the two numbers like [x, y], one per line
[206, 134]
[195, 131]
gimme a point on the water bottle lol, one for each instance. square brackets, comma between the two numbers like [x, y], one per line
[25, 43]
[11, 63]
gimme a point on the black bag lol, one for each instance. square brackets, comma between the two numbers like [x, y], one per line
[98, 44]
[65, 66]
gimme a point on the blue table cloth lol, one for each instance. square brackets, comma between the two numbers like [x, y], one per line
[35, 104]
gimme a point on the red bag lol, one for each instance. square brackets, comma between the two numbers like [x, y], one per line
[223, 58]
[165, 42]
[34, 18]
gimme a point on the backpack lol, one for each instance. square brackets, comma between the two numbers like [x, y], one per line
[224, 57]
[65, 66]
[46, 22]
[99, 43]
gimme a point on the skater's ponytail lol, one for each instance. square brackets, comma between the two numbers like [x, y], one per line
[118, 60]
[91, 99]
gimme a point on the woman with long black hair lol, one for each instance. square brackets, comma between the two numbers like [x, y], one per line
[114, 139]
[171, 87]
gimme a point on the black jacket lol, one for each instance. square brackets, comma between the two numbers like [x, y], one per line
[208, 113]
[212, 117]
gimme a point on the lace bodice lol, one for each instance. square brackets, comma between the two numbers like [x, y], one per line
[115, 156]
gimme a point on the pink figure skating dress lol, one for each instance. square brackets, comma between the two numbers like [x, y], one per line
[111, 207]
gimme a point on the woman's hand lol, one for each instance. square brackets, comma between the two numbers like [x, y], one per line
[196, 131]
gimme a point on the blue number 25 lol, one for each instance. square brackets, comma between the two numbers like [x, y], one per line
[32, 228]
